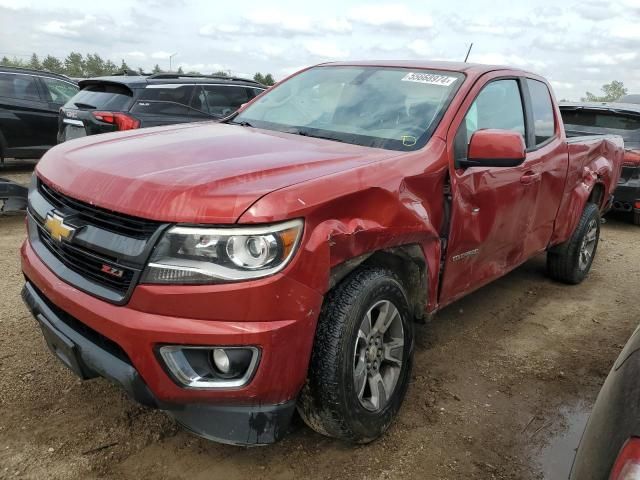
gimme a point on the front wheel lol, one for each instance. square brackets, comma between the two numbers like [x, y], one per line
[361, 358]
[571, 261]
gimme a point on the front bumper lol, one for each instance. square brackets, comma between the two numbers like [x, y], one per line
[93, 355]
[119, 343]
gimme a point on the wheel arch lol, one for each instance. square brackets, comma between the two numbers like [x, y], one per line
[406, 261]
[572, 207]
[597, 195]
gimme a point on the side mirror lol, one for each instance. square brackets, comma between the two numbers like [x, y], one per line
[495, 148]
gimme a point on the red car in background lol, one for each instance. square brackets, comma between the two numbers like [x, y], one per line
[229, 273]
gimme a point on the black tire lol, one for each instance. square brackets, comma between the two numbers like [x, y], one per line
[567, 262]
[329, 402]
[636, 217]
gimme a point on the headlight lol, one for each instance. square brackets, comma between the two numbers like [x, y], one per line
[214, 255]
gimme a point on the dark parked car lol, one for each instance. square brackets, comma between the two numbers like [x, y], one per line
[612, 118]
[108, 104]
[29, 105]
[610, 445]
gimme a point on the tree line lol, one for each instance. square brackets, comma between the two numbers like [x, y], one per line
[93, 65]
[611, 92]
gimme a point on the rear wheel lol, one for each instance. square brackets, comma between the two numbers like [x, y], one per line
[636, 216]
[361, 358]
[571, 261]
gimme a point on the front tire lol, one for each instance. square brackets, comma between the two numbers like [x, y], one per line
[361, 358]
[571, 261]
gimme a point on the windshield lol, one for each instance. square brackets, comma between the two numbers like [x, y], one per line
[392, 108]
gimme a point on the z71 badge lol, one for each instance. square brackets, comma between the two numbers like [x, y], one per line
[114, 272]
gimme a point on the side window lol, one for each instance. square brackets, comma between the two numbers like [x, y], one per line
[6, 85]
[543, 120]
[23, 87]
[164, 100]
[224, 100]
[256, 91]
[58, 91]
[497, 106]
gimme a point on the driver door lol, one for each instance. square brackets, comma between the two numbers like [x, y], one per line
[491, 206]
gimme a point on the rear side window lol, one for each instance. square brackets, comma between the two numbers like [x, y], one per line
[23, 87]
[223, 100]
[497, 106]
[59, 91]
[543, 120]
[102, 97]
[164, 100]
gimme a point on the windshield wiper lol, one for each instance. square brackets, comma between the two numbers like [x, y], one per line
[307, 133]
[243, 123]
[84, 105]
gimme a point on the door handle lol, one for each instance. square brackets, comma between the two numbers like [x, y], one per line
[529, 177]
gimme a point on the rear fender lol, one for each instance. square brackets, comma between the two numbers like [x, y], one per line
[598, 174]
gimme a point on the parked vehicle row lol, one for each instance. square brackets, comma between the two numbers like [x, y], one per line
[117, 103]
[238, 270]
[39, 109]
[29, 104]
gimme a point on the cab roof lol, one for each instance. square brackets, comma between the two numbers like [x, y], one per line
[476, 68]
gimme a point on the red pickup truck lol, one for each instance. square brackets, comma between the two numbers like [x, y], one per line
[231, 273]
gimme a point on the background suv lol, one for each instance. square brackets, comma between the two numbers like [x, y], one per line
[107, 104]
[29, 105]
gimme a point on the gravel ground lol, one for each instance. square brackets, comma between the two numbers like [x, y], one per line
[493, 376]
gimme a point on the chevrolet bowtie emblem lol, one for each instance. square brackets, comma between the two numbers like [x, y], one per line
[54, 224]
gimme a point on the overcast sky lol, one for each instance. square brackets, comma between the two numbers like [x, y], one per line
[577, 45]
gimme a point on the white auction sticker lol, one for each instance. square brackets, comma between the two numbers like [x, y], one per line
[430, 78]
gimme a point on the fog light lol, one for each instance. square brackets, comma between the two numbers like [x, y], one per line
[221, 360]
[210, 367]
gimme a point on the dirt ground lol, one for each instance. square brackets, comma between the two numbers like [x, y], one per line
[493, 374]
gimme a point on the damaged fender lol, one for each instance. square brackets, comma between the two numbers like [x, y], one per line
[395, 210]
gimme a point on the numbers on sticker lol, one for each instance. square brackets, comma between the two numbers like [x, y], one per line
[429, 78]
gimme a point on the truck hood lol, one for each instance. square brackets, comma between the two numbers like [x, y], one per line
[194, 173]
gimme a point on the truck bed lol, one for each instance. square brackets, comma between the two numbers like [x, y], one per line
[573, 137]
